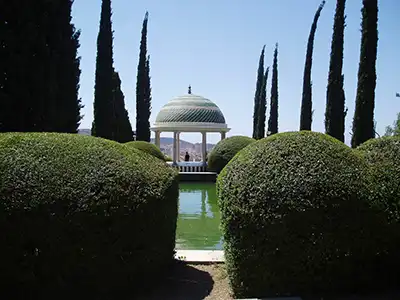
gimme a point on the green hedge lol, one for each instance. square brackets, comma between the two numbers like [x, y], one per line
[383, 158]
[225, 150]
[148, 148]
[296, 219]
[83, 212]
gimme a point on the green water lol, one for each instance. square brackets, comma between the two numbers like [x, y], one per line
[199, 217]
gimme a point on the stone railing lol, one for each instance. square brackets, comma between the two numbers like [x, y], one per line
[191, 166]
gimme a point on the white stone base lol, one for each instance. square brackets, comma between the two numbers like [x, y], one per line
[196, 256]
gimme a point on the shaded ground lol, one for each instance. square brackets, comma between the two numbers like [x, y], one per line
[194, 282]
[210, 281]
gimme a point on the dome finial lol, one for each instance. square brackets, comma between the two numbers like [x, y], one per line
[190, 89]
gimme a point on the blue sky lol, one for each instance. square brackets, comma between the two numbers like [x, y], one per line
[214, 45]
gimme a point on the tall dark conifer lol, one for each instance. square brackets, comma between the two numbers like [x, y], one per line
[68, 72]
[259, 84]
[122, 127]
[39, 76]
[335, 97]
[103, 89]
[21, 79]
[306, 101]
[363, 122]
[143, 89]
[262, 109]
[273, 113]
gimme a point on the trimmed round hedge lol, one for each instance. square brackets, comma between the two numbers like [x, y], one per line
[147, 147]
[383, 158]
[79, 212]
[225, 150]
[296, 220]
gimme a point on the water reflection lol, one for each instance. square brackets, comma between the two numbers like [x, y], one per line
[199, 217]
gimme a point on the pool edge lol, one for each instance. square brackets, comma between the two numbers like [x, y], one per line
[200, 256]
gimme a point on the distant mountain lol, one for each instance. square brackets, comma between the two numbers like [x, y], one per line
[85, 131]
[166, 142]
[166, 145]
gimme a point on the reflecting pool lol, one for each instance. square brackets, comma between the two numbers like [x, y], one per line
[199, 217]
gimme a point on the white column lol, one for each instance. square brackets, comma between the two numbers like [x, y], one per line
[174, 150]
[157, 138]
[204, 147]
[223, 135]
[178, 147]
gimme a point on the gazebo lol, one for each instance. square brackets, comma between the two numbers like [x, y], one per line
[189, 113]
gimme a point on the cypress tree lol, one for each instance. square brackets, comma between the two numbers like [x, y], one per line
[306, 101]
[273, 113]
[335, 97]
[143, 90]
[103, 89]
[147, 103]
[39, 76]
[259, 84]
[122, 127]
[363, 121]
[262, 107]
[68, 72]
[25, 66]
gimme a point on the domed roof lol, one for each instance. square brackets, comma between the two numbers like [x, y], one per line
[190, 109]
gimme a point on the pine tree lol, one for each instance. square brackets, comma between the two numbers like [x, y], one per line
[273, 113]
[363, 121]
[143, 89]
[122, 127]
[335, 97]
[260, 79]
[306, 101]
[262, 109]
[39, 76]
[103, 89]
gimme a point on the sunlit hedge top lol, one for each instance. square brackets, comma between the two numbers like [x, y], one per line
[225, 150]
[77, 170]
[147, 147]
[383, 158]
[297, 168]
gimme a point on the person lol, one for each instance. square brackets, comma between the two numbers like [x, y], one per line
[187, 156]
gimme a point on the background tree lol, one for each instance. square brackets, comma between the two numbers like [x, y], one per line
[143, 89]
[363, 121]
[273, 113]
[260, 80]
[306, 101]
[262, 109]
[395, 129]
[103, 89]
[335, 97]
[39, 73]
[122, 126]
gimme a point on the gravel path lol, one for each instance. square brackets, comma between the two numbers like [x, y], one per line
[194, 282]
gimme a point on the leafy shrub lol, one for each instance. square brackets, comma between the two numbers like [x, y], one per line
[383, 158]
[295, 218]
[225, 150]
[167, 158]
[148, 148]
[78, 211]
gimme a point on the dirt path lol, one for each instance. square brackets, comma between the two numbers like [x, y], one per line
[194, 282]
[210, 281]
